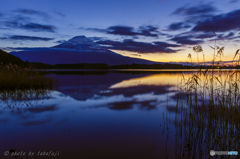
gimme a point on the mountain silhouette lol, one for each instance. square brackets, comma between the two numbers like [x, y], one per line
[79, 43]
[79, 49]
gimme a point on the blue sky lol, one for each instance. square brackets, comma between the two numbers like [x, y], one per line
[159, 30]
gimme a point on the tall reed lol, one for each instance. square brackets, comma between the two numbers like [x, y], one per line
[209, 117]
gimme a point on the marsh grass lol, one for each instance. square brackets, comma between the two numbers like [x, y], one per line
[13, 77]
[208, 110]
[21, 86]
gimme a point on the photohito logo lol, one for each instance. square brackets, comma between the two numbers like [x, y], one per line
[212, 153]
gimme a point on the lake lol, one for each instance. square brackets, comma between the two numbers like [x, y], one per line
[97, 114]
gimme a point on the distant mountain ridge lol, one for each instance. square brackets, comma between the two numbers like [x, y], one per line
[79, 49]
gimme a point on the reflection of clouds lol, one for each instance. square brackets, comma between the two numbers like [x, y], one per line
[144, 105]
[177, 96]
[62, 121]
[37, 122]
[121, 105]
[60, 107]
[82, 92]
[106, 91]
[42, 109]
[144, 97]
[143, 89]
[3, 120]
[173, 88]
[41, 112]
[33, 115]
[152, 96]
[145, 101]
[148, 105]
[103, 100]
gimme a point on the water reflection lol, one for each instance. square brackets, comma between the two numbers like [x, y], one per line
[16, 99]
[110, 115]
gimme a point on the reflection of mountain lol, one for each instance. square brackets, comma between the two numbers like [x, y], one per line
[87, 92]
[76, 50]
[84, 87]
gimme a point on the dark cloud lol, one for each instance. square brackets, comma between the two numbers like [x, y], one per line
[186, 40]
[24, 38]
[196, 35]
[203, 9]
[17, 19]
[30, 26]
[220, 22]
[193, 38]
[60, 41]
[25, 22]
[178, 26]
[96, 38]
[141, 47]
[229, 36]
[233, 1]
[148, 31]
[194, 14]
[203, 35]
[204, 20]
[59, 13]
[38, 27]
[32, 12]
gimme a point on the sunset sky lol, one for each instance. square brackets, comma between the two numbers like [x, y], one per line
[158, 30]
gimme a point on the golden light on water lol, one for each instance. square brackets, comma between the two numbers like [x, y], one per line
[171, 79]
[156, 80]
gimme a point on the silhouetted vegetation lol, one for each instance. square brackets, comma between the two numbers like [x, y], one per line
[105, 66]
[6, 58]
[14, 77]
[208, 116]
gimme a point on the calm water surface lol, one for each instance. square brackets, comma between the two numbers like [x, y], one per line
[96, 115]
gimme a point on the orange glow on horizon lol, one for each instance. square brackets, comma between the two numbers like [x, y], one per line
[181, 56]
